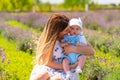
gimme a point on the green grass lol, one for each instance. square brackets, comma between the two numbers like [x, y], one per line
[17, 65]
[16, 23]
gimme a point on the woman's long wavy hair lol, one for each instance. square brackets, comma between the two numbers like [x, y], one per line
[56, 24]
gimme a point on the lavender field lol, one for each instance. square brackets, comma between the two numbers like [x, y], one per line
[19, 33]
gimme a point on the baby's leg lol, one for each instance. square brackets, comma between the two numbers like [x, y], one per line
[81, 61]
[66, 64]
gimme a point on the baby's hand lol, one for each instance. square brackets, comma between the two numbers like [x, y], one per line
[68, 43]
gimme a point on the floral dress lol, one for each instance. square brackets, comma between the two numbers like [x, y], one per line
[57, 56]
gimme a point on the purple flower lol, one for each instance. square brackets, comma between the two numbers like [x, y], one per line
[3, 58]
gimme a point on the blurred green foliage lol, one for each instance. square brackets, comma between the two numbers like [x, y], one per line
[26, 45]
[15, 5]
[113, 76]
[16, 65]
[75, 4]
[37, 5]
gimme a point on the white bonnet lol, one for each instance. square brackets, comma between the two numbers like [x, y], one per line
[76, 21]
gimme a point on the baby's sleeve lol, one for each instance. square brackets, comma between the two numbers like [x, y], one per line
[83, 39]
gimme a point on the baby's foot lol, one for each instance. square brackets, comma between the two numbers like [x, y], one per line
[78, 70]
[68, 75]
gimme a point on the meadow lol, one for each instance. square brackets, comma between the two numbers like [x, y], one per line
[19, 33]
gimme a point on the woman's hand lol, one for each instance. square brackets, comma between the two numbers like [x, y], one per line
[86, 49]
[69, 48]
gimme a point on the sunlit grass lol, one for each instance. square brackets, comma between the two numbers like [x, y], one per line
[108, 60]
[17, 64]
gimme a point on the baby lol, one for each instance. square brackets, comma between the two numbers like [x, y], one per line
[75, 38]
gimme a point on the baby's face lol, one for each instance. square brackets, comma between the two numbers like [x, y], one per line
[75, 30]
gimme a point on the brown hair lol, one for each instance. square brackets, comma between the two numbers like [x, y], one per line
[56, 24]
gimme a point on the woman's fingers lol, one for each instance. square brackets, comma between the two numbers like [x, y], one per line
[68, 49]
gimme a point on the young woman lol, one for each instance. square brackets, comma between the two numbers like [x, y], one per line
[48, 58]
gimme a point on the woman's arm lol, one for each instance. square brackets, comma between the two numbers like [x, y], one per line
[55, 65]
[47, 60]
[87, 50]
[58, 65]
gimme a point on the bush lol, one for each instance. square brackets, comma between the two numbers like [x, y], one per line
[40, 27]
[113, 30]
[99, 42]
[26, 45]
[3, 62]
[9, 36]
[115, 46]
[94, 71]
[109, 18]
[106, 43]
[1, 30]
[93, 26]
[115, 75]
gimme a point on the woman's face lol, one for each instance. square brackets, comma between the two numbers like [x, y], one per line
[64, 32]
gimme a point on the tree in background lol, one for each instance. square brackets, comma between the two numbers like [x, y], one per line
[44, 6]
[16, 5]
[75, 4]
[24, 5]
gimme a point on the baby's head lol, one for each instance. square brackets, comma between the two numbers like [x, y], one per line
[75, 25]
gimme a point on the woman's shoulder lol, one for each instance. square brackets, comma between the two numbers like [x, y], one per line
[58, 51]
[57, 45]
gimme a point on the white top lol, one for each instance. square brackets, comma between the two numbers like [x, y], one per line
[57, 54]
